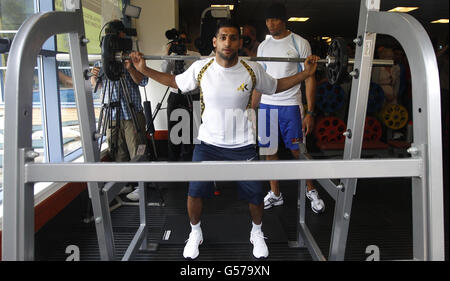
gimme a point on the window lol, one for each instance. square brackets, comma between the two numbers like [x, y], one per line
[12, 14]
[96, 13]
[58, 95]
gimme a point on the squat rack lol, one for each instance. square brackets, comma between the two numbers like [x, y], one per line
[424, 166]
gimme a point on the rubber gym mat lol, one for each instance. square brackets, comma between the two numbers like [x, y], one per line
[219, 228]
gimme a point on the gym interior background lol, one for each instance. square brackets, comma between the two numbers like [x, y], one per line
[60, 205]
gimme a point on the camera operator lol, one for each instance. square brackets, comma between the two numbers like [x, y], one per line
[182, 151]
[125, 134]
[250, 44]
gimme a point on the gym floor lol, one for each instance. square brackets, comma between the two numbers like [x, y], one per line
[381, 216]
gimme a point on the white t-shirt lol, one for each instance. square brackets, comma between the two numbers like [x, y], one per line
[226, 93]
[292, 46]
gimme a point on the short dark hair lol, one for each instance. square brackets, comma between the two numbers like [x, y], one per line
[227, 23]
[276, 11]
[114, 27]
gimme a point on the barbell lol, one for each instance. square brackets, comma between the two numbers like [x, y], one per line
[336, 61]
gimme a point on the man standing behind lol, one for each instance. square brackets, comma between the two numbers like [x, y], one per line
[284, 43]
[251, 44]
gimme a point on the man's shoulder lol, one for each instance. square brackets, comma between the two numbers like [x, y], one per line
[198, 65]
[253, 64]
[192, 53]
[265, 41]
[201, 62]
[299, 38]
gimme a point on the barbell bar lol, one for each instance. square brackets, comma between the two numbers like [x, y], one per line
[327, 60]
[336, 60]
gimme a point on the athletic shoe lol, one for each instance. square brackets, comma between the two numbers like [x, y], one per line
[317, 204]
[134, 196]
[191, 248]
[272, 200]
[260, 249]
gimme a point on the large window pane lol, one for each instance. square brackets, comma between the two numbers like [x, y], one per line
[69, 115]
[14, 12]
[69, 112]
[96, 13]
[37, 133]
[37, 136]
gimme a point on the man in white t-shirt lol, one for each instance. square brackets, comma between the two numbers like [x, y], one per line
[226, 83]
[288, 105]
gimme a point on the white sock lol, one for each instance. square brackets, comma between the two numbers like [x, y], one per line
[256, 227]
[196, 227]
[274, 195]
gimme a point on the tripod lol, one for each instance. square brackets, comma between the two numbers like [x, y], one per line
[106, 118]
[177, 101]
[118, 98]
[179, 68]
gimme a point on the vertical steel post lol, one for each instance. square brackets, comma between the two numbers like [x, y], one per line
[86, 116]
[18, 203]
[427, 191]
[355, 128]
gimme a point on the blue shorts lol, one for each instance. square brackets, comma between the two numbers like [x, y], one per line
[288, 125]
[248, 190]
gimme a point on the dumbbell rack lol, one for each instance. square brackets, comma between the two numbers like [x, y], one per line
[424, 167]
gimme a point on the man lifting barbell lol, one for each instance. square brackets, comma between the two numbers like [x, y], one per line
[226, 83]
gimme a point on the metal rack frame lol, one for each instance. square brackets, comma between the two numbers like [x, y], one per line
[424, 167]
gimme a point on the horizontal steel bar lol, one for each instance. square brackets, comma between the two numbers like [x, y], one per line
[328, 60]
[375, 62]
[223, 170]
[66, 57]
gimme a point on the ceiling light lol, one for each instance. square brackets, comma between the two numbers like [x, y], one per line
[132, 11]
[298, 19]
[440, 21]
[231, 7]
[403, 9]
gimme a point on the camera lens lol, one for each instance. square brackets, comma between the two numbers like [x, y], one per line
[247, 40]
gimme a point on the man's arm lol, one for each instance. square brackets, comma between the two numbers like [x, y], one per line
[95, 72]
[256, 99]
[65, 79]
[289, 82]
[135, 75]
[308, 120]
[160, 77]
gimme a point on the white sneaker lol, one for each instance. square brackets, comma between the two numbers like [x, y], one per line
[134, 196]
[126, 189]
[260, 249]
[272, 200]
[317, 204]
[191, 248]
